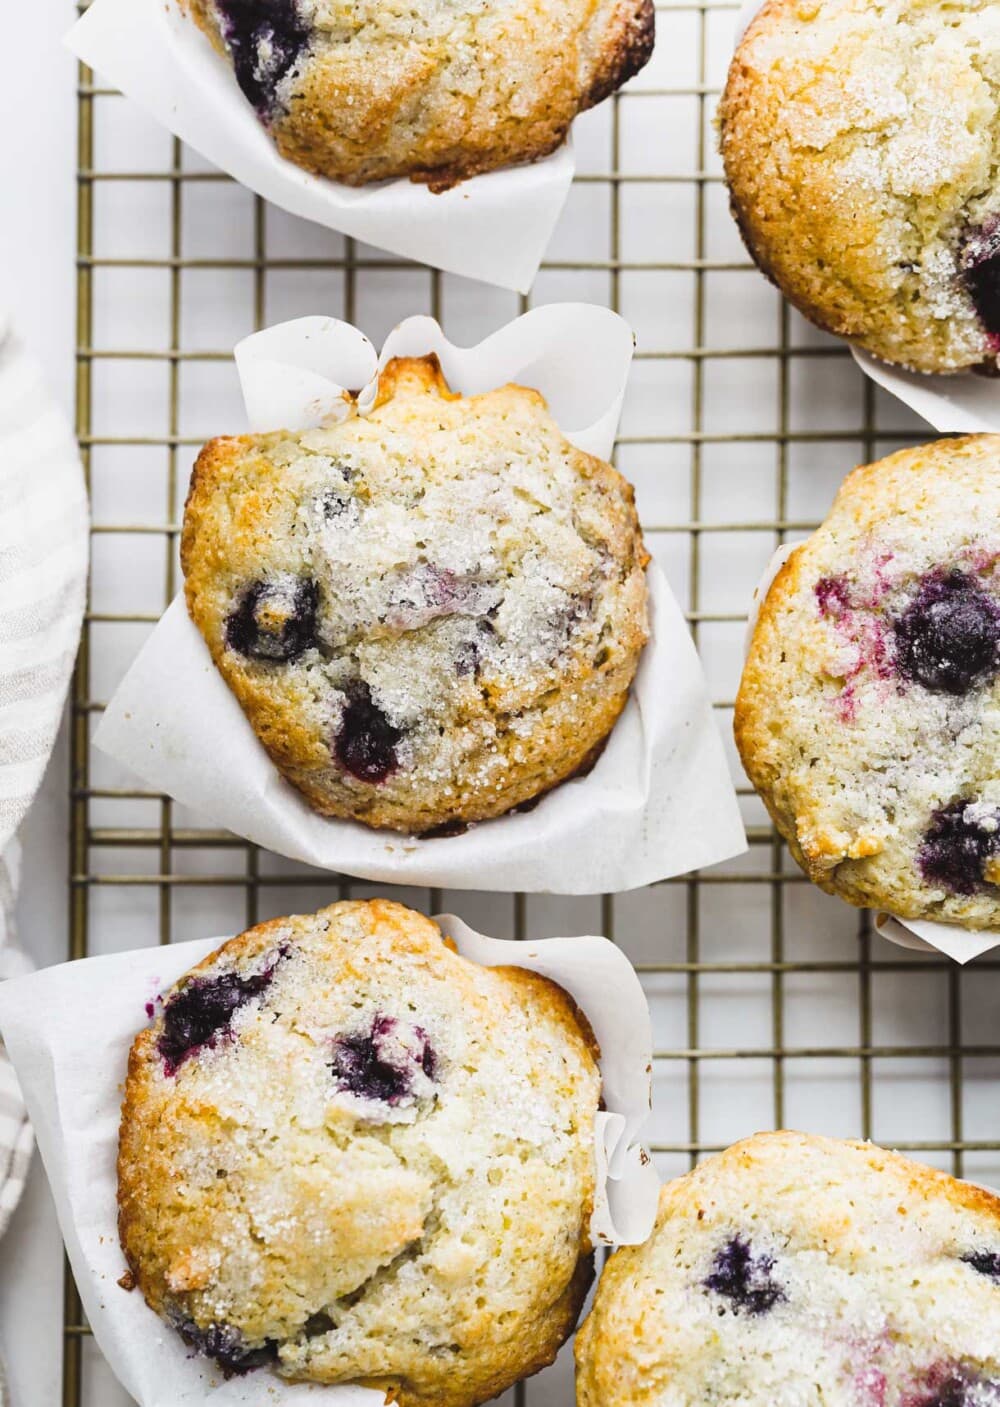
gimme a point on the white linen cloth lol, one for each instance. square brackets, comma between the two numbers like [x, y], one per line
[43, 569]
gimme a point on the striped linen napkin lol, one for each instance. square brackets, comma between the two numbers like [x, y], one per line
[43, 569]
[16, 1141]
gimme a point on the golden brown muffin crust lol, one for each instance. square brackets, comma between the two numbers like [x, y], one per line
[439, 94]
[861, 763]
[480, 584]
[860, 143]
[793, 1268]
[265, 1209]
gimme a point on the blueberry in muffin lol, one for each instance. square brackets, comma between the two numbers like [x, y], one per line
[868, 716]
[743, 1276]
[860, 140]
[438, 91]
[199, 1015]
[266, 40]
[799, 1271]
[274, 620]
[349, 1155]
[430, 614]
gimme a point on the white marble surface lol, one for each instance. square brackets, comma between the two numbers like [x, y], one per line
[37, 243]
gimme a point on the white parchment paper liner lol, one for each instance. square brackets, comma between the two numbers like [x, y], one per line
[660, 800]
[964, 403]
[68, 1030]
[493, 227]
[921, 935]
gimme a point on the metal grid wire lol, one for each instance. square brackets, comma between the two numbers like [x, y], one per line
[773, 1005]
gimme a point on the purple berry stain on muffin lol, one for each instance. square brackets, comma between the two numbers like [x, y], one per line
[948, 638]
[228, 1347]
[428, 592]
[870, 1387]
[471, 653]
[744, 1278]
[953, 1385]
[333, 505]
[980, 265]
[961, 839]
[366, 742]
[832, 595]
[950, 1392]
[265, 39]
[385, 1063]
[198, 1015]
[870, 659]
[866, 1356]
[555, 634]
[274, 621]
[984, 1263]
[864, 653]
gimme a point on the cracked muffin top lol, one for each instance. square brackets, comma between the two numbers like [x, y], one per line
[861, 142]
[349, 1155]
[436, 90]
[799, 1271]
[868, 716]
[430, 614]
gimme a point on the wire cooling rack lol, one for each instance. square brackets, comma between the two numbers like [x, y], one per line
[773, 1004]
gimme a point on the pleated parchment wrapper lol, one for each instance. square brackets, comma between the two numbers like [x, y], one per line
[920, 935]
[963, 404]
[69, 1029]
[660, 800]
[494, 227]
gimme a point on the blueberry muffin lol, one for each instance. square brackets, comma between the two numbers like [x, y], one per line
[796, 1271]
[430, 614]
[861, 140]
[868, 716]
[437, 90]
[349, 1155]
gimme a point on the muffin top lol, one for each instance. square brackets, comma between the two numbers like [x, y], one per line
[797, 1271]
[868, 716]
[349, 1155]
[437, 90]
[430, 614]
[861, 140]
